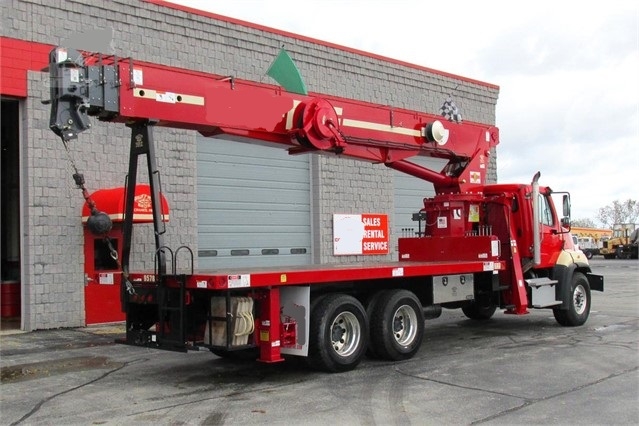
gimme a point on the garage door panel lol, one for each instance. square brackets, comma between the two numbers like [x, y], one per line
[227, 152]
[218, 229]
[238, 262]
[265, 199]
[272, 249]
[262, 241]
[250, 175]
[253, 206]
[226, 163]
[225, 249]
[255, 185]
[240, 220]
[274, 215]
[237, 209]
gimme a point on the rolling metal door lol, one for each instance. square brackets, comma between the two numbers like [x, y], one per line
[253, 205]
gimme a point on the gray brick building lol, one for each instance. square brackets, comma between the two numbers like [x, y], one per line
[47, 258]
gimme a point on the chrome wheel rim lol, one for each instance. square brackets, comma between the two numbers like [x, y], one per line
[579, 300]
[345, 334]
[404, 325]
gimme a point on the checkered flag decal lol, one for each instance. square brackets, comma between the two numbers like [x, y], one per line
[450, 111]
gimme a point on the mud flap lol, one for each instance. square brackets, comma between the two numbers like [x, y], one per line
[596, 282]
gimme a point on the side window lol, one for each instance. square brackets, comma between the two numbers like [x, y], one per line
[545, 212]
[102, 255]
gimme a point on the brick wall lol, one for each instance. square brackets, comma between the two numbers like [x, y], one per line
[155, 33]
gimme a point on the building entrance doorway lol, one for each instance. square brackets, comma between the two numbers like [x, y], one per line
[10, 303]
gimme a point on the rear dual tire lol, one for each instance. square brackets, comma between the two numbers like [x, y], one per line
[396, 325]
[338, 333]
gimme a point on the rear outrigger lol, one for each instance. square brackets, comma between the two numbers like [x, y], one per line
[480, 247]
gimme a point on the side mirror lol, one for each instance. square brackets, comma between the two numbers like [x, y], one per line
[565, 222]
[566, 207]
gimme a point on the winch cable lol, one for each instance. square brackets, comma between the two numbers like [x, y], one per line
[99, 223]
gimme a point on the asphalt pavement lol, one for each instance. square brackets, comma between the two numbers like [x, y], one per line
[509, 370]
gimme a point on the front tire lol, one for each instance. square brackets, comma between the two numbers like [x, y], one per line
[578, 305]
[397, 325]
[338, 335]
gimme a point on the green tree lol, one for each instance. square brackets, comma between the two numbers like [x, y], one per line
[583, 223]
[619, 212]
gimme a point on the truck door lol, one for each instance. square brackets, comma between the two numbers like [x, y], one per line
[552, 238]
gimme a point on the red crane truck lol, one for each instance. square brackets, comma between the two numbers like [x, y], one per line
[481, 247]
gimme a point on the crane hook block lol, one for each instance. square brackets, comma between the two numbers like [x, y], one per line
[319, 125]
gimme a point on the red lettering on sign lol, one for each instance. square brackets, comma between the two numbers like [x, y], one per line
[376, 238]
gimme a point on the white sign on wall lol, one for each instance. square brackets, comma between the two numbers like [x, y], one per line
[360, 234]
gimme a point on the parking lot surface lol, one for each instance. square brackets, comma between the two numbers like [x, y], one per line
[509, 370]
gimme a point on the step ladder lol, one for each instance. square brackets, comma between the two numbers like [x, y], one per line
[171, 329]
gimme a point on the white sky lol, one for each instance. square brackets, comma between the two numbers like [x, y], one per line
[568, 74]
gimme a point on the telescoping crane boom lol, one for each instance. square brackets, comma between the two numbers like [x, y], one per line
[483, 247]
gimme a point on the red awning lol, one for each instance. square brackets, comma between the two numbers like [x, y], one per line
[111, 202]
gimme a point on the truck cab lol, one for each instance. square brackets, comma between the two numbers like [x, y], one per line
[517, 203]
[537, 237]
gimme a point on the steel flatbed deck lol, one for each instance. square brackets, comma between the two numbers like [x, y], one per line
[230, 278]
